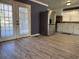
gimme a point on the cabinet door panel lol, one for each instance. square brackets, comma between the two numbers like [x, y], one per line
[59, 27]
[76, 29]
[64, 27]
[70, 27]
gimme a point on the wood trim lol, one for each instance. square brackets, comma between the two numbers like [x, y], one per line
[58, 19]
[73, 8]
[68, 22]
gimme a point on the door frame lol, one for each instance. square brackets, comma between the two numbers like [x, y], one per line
[19, 4]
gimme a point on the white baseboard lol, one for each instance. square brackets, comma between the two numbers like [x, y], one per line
[35, 35]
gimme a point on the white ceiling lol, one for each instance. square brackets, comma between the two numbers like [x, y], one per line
[54, 4]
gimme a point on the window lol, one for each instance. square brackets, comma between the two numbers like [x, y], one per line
[71, 16]
[6, 20]
[23, 19]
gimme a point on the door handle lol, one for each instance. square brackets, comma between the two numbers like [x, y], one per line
[17, 22]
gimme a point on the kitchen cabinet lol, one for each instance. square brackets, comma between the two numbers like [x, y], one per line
[76, 29]
[72, 28]
[64, 27]
[59, 27]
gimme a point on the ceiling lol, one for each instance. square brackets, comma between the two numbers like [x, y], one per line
[54, 4]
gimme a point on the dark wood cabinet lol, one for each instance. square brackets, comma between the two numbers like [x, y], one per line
[58, 19]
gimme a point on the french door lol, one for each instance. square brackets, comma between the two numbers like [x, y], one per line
[6, 21]
[14, 21]
[23, 20]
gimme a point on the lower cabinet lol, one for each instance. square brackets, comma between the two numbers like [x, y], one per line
[64, 27]
[59, 27]
[72, 28]
[76, 29]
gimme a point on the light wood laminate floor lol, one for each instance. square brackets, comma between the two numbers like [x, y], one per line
[58, 46]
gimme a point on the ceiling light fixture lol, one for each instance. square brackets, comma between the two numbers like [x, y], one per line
[68, 3]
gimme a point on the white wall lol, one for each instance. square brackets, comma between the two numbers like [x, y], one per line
[59, 11]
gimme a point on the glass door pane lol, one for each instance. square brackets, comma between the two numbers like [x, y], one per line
[23, 20]
[6, 20]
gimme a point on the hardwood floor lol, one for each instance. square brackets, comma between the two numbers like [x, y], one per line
[58, 46]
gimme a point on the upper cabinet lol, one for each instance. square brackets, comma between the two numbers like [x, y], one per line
[71, 16]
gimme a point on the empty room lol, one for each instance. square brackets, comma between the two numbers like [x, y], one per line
[39, 29]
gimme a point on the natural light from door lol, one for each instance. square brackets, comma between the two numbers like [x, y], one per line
[23, 20]
[6, 20]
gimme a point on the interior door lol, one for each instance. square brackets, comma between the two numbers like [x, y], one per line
[44, 23]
